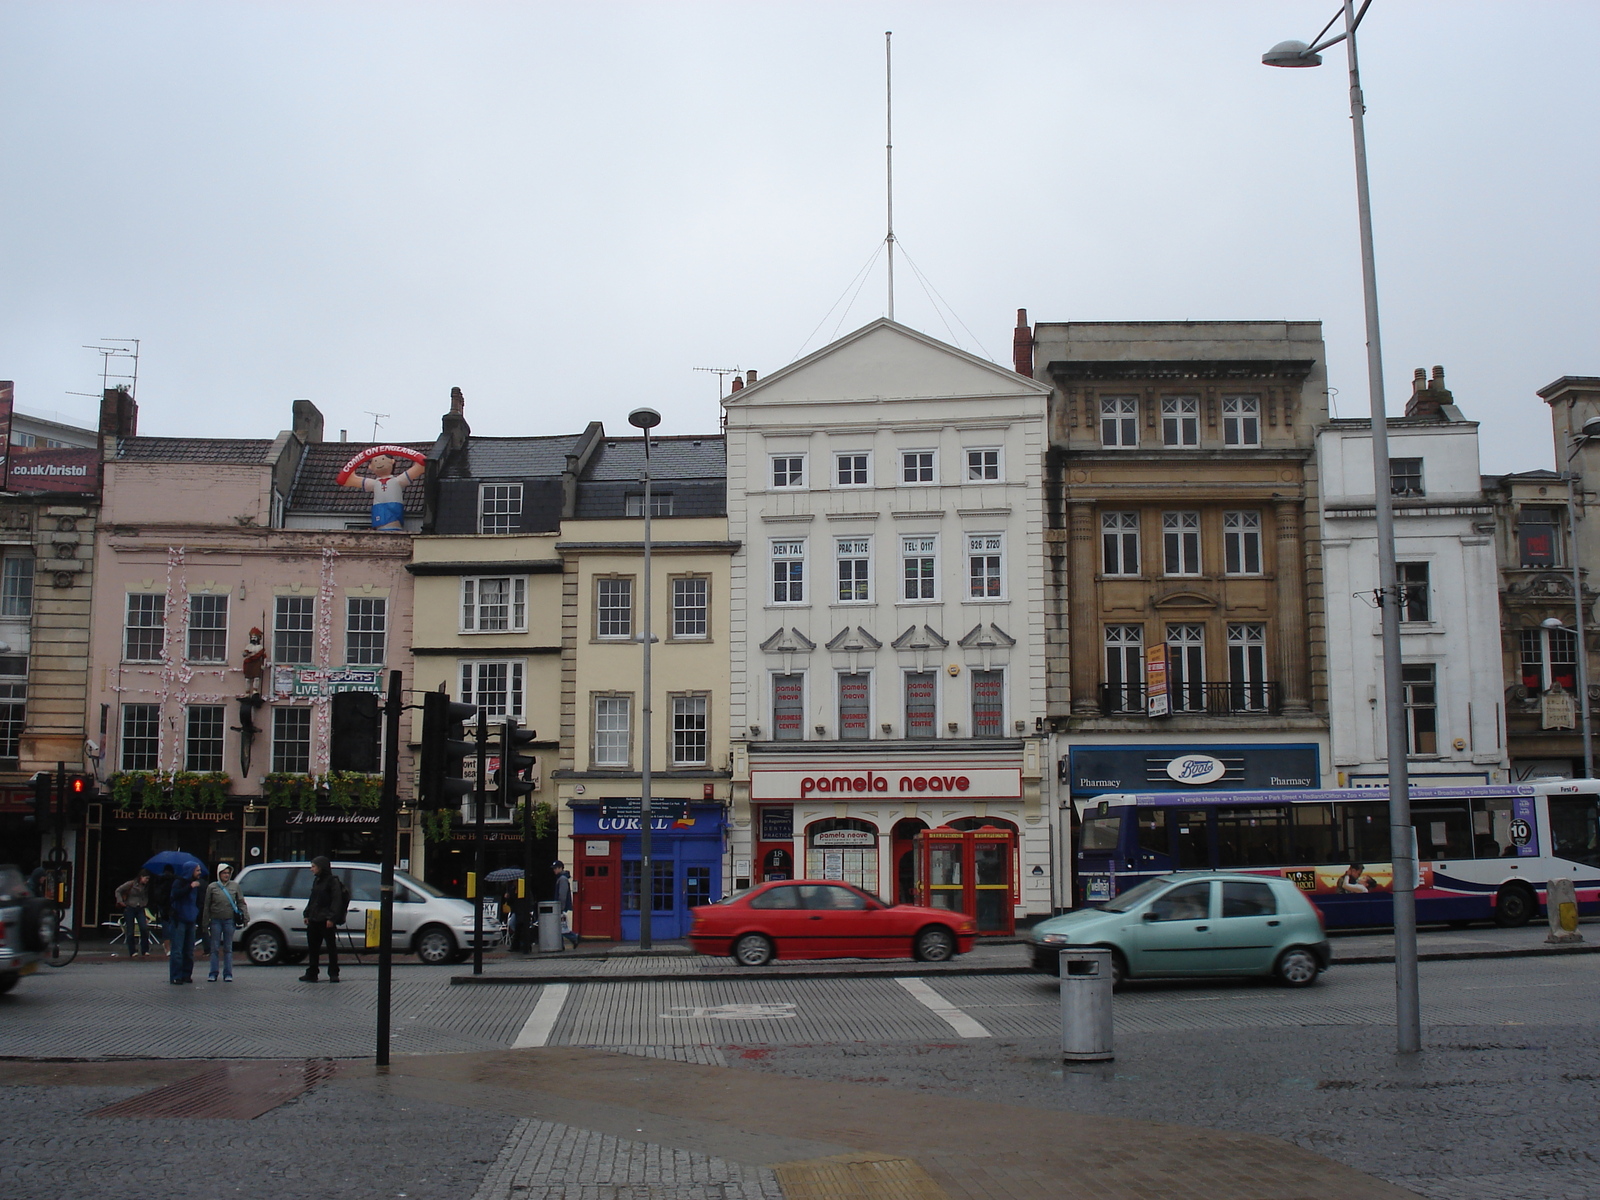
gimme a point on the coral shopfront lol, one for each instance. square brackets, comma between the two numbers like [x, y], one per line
[858, 820]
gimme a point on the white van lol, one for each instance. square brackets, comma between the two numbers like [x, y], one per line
[436, 927]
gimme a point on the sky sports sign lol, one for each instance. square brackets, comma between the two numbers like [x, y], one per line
[74, 469]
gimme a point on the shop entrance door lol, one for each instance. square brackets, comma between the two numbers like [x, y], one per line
[597, 891]
[971, 871]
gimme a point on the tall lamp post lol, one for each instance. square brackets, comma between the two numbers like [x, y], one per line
[1576, 442]
[1402, 843]
[645, 419]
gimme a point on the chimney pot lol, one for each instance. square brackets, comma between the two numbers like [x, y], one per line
[749, 377]
[344, 435]
[736, 386]
[458, 402]
[1022, 346]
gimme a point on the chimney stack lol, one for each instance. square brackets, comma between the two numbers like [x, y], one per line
[119, 414]
[736, 386]
[453, 425]
[1428, 396]
[1022, 345]
[307, 423]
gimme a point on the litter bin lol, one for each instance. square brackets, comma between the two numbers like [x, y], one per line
[1086, 1005]
[549, 925]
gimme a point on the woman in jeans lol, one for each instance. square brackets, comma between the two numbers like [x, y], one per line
[225, 910]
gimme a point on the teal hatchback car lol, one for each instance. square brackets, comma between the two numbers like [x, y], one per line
[1197, 925]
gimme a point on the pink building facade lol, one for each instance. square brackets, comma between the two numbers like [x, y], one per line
[238, 589]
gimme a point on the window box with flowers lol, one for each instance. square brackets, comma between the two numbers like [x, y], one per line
[345, 791]
[172, 791]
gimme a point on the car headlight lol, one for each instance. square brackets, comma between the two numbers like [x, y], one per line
[1055, 939]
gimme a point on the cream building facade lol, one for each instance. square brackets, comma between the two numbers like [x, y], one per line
[887, 644]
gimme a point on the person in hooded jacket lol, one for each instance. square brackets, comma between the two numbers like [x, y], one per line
[183, 909]
[325, 911]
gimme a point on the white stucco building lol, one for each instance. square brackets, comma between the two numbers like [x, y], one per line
[887, 653]
[1450, 629]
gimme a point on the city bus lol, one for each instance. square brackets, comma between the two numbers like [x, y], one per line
[1484, 852]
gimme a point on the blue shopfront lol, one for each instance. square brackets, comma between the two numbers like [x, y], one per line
[686, 850]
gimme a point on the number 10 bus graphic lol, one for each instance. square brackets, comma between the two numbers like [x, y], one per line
[1484, 853]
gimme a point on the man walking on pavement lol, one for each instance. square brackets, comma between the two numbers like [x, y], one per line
[564, 901]
[325, 911]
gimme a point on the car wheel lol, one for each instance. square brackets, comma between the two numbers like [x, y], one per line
[8, 981]
[435, 946]
[1119, 969]
[263, 946]
[934, 944]
[1297, 967]
[1514, 907]
[753, 950]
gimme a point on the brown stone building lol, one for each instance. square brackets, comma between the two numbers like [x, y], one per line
[1182, 521]
[1536, 541]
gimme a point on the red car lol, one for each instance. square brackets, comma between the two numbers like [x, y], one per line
[820, 918]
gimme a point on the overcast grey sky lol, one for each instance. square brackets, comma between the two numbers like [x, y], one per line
[564, 208]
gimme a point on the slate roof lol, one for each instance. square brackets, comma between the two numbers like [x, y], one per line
[513, 457]
[314, 490]
[621, 460]
[195, 450]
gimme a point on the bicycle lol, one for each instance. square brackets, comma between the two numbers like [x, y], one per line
[59, 941]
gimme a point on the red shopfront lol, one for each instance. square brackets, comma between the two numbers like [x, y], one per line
[859, 819]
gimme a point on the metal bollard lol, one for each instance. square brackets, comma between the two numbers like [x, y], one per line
[1561, 906]
[1086, 1005]
[549, 925]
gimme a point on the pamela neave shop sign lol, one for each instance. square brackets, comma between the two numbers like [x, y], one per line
[887, 781]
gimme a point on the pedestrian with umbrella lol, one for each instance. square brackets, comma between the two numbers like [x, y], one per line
[510, 912]
[184, 906]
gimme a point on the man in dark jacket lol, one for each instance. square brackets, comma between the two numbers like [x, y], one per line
[325, 911]
[183, 913]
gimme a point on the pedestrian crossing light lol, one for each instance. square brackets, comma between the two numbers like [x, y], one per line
[39, 802]
[444, 750]
[511, 777]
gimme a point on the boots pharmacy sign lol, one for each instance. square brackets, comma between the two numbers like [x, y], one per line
[887, 781]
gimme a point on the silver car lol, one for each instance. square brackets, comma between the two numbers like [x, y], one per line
[435, 927]
[19, 929]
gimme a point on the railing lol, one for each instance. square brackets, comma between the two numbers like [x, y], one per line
[1206, 699]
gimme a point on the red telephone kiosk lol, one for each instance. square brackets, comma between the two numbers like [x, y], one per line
[973, 871]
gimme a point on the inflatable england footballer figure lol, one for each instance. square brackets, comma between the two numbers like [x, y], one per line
[388, 488]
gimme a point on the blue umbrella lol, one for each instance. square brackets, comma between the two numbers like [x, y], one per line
[181, 861]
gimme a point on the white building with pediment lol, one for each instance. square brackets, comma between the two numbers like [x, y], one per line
[887, 624]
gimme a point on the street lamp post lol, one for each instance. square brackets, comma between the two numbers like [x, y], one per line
[645, 419]
[1402, 844]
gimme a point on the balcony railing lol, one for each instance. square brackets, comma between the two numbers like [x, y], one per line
[1195, 699]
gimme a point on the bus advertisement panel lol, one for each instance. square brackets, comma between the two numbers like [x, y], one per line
[1483, 852]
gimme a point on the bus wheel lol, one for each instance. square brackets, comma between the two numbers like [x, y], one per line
[1514, 906]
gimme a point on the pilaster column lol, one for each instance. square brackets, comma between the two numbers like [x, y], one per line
[1290, 644]
[1082, 627]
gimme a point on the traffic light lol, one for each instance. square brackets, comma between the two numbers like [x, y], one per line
[80, 790]
[39, 802]
[508, 777]
[353, 745]
[444, 746]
